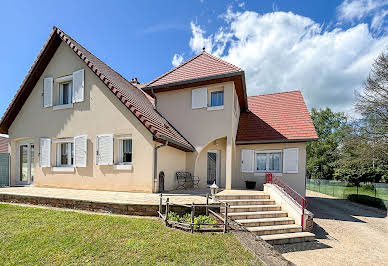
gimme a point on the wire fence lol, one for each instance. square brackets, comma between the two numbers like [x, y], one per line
[373, 194]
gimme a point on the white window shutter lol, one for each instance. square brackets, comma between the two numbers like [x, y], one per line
[199, 98]
[105, 149]
[80, 151]
[78, 86]
[48, 92]
[290, 160]
[45, 152]
[247, 161]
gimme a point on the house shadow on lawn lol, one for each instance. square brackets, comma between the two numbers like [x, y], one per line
[341, 209]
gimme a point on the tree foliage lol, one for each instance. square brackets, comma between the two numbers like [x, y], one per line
[322, 154]
[355, 151]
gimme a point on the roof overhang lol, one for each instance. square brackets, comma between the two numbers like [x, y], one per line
[237, 77]
[242, 142]
[173, 143]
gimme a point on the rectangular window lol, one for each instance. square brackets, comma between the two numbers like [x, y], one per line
[65, 154]
[125, 151]
[65, 93]
[268, 161]
[217, 98]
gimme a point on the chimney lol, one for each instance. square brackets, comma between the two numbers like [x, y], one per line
[134, 81]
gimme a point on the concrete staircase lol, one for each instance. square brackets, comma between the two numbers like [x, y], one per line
[259, 214]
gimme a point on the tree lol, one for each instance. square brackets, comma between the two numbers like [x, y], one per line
[322, 154]
[372, 102]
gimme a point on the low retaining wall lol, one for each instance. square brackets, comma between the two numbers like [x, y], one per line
[110, 207]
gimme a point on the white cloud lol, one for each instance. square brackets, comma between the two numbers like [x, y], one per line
[283, 51]
[350, 10]
[177, 60]
[354, 10]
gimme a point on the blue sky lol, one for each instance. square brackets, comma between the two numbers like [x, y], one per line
[324, 48]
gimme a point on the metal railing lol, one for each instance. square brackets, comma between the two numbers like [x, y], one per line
[164, 214]
[288, 191]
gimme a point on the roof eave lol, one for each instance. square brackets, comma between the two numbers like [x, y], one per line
[175, 143]
[245, 142]
[226, 75]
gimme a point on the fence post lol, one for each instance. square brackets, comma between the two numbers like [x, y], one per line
[207, 204]
[192, 217]
[160, 203]
[333, 188]
[226, 218]
[167, 209]
[374, 186]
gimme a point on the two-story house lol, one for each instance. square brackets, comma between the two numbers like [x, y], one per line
[76, 123]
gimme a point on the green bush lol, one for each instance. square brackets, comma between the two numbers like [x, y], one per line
[368, 200]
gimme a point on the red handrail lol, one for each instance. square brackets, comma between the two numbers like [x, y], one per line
[288, 191]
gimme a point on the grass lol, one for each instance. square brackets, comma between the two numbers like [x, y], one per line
[44, 236]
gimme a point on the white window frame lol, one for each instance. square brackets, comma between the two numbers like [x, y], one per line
[58, 143]
[120, 151]
[61, 81]
[267, 152]
[215, 107]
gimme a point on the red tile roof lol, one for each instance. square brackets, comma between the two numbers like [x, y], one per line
[200, 66]
[138, 102]
[276, 117]
[4, 145]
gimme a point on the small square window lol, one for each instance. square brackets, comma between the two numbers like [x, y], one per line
[65, 93]
[125, 151]
[217, 98]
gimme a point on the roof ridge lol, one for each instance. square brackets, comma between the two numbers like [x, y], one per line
[172, 70]
[221, 60]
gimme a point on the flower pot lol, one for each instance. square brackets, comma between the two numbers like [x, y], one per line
[250, 184]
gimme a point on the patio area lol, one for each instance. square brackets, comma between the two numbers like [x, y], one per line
[131, 203]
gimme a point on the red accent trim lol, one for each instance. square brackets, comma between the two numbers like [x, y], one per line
[291, 194]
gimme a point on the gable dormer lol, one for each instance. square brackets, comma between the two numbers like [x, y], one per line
[205, 92]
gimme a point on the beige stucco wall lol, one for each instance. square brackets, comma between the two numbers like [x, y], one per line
[100, 113]
[296, 181]
[171, 160]
[201, 126]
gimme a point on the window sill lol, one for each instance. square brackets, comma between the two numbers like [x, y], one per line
[123, 167]
[62, 106]
[63, 169]
[263, 173]
[214, 108]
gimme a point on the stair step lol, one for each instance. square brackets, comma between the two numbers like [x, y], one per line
[234, 202]
[252, 208]
[288, 238]
[242, 196]
[266, 221]
[275, 229]
[257, 215]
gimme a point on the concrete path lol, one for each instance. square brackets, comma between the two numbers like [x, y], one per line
[347, 234]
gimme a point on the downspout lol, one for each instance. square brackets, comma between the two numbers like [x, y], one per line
[155, 99]
[156, 188]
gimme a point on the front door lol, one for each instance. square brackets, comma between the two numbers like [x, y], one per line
[26, 169]
[213, 170]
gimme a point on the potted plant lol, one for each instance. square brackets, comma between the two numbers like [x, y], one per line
[250, 184]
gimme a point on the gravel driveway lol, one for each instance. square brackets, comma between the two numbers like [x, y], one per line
[347, 234]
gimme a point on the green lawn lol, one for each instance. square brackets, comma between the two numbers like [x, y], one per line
[44, 236]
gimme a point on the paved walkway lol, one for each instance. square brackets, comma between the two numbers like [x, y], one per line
[347, 234]
[179, 197]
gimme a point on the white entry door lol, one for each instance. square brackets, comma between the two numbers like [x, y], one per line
[213, 167]
[26, 167]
